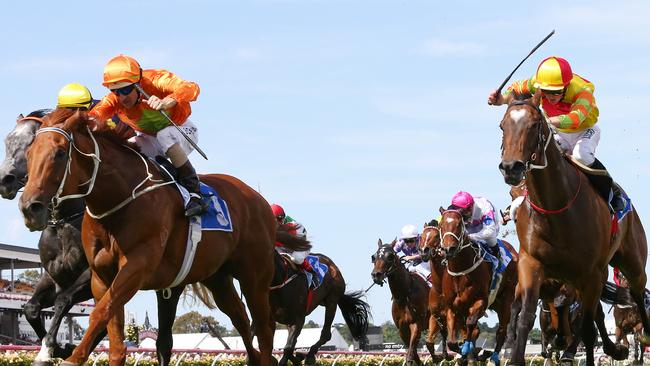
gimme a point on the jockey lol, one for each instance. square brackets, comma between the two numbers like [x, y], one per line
[478, 214]
[297, 229]
[407, 248]
[568, 102]
[77, 96]
[155, 134]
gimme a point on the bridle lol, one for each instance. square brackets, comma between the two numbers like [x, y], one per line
[433, 250]
[392, 264]
[463, 243]
[543, 141]
[57, 198]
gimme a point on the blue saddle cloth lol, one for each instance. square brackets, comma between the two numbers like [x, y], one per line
[628, 206]
[497, 266]
[217, 217]
[320, 268]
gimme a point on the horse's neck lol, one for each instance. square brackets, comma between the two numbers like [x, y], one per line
[463, 260]
[399, 282]
[71, 211]
[554, 186]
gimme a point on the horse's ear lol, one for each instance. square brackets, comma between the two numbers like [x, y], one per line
[20, 116]
[379, 243]
[434, 223]
[442, 210]
[537, 97]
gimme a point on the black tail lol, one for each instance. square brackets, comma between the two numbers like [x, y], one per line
[292, 242]
[615, 295]
[355, 312]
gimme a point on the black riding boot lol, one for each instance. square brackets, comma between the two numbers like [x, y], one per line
[188, 178]
[607, 188]
[496, 252]
[618, 202]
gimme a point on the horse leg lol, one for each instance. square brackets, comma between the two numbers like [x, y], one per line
[256, 291]
[44, 296]
[503, 312]
[511, 334]
[110, 300]
[326, 333]
[414, 339]
[77, 292]
[228, 301]
[476, 311]
[530, 276]
[617, 352]
[293, 331]
[434, 329]
[166, 316]
[591, 307]
[117, 351]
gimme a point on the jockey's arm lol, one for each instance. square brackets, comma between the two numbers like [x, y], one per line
[489, 228]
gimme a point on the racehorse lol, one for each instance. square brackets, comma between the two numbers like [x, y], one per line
[467, 284]
[410, 294]
[627, 320]
[66, 279]
[292, 300]
[560, 315]
[564, 219]
[429, 249]
[129, 250]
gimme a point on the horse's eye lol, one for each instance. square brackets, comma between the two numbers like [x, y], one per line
[59, 154]
[373, 258]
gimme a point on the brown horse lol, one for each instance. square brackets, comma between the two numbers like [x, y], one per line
[628, 321]
[292, 300]
[410, 294]
[429, 249]
[559, 319]
[564, 228]
[129, 249]
[466, 285]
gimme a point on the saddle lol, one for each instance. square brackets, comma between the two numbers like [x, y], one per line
[289, 262]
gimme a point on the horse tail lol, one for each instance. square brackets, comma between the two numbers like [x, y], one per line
[355, 312]
[291, 242]
[200, 292]
[615, 295]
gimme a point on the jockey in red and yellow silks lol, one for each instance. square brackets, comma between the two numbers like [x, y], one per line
[155, 134]
[569, 104]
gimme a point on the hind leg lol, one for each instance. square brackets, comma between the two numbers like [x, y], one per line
[256, 291]
[616, 351]
[166, 317]
[227, 299]
[326, 333]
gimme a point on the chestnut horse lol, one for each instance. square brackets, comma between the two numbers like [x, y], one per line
[292, 301]
[429, 249]
[564, 229]
[466, 285]
[410, 294]
[66, 279]
[127, 248]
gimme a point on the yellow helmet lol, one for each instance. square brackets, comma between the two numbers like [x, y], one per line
[554, 73]
[74, 96]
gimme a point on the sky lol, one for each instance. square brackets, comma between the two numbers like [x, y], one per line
[357, 116]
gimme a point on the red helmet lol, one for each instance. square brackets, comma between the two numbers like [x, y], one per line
[278, 211]
[554, 73]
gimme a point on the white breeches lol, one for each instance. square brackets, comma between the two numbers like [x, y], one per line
[581, 145]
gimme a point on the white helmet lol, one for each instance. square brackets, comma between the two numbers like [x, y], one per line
[409, 232]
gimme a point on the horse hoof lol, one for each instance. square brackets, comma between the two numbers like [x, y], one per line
[644, 339]
[66, 363]
[620, 352]
[43, 363]
[310, 360]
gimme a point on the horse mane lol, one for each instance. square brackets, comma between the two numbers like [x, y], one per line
[75, 119]
[433, 223]
[39, 113]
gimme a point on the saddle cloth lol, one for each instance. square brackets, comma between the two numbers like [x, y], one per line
[217, 217]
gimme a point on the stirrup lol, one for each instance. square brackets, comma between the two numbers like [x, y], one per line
[196, 206]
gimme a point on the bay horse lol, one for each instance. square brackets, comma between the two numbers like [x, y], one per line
[466, 285]
[292, 300]
[429, 249]
[129, 250]
[66, 279]
[564, 219]
[410, 298]
[559, 319]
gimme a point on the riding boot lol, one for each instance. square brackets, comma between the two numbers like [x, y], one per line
[188, 178]
[604, 184]
[618, 202]
[496, 252]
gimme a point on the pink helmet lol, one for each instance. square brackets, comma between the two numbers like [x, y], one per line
[462, 199]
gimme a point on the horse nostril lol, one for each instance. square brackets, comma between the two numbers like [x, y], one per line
[8, 179]
[36, 208]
